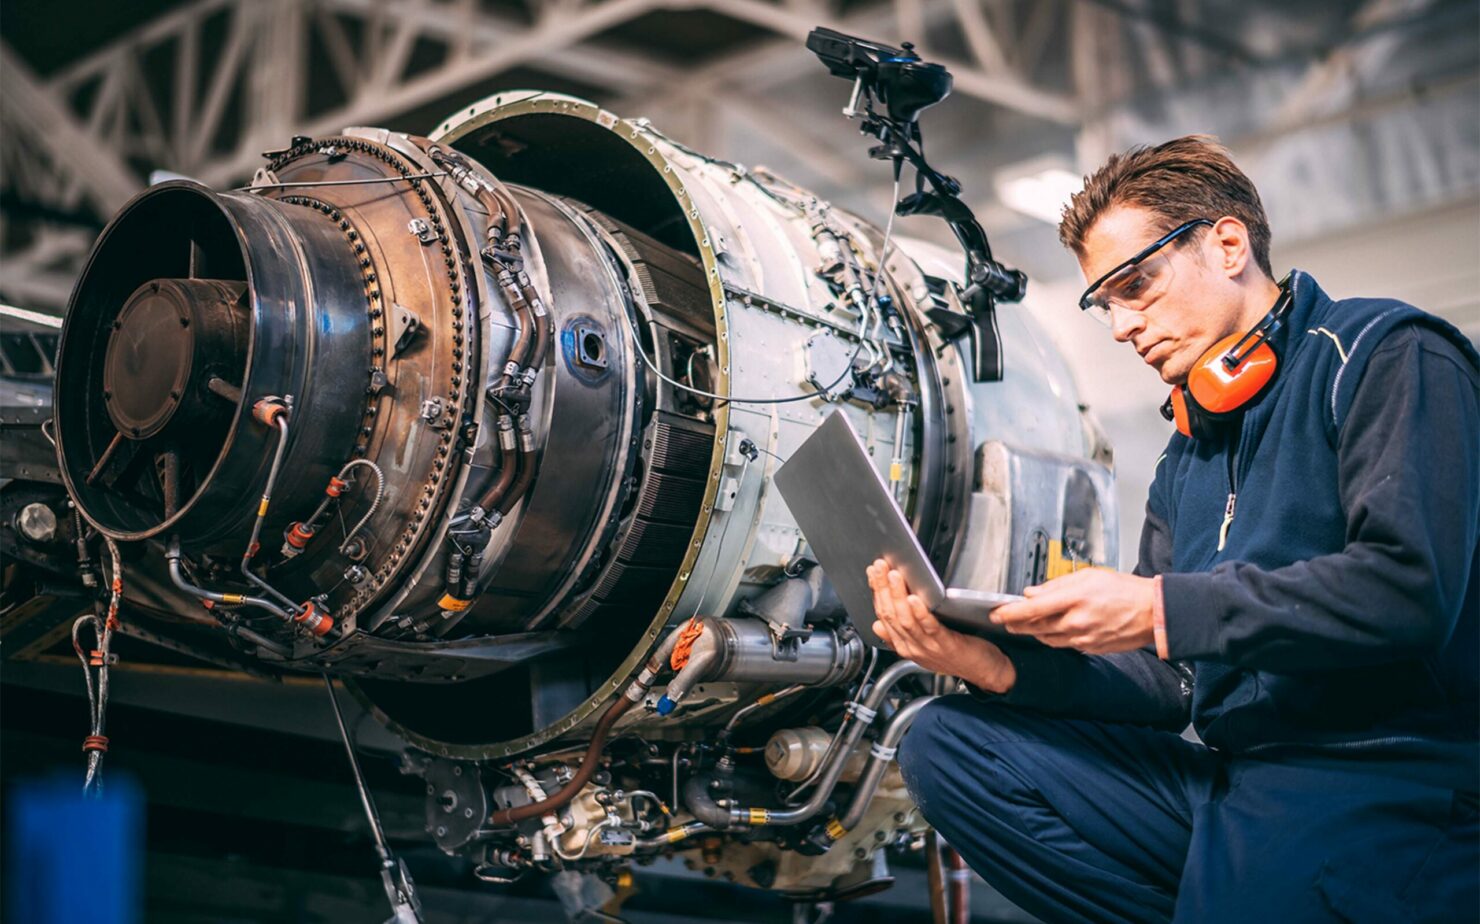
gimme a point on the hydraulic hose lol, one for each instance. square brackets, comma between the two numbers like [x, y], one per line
[541, 329]
[508, 465]
[525, 478]
[300, 534]
[511, 816]
[519, 351]
[583, 774]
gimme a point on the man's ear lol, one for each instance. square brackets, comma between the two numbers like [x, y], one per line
[1229, 243]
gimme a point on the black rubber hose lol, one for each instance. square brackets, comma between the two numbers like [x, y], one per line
[701, 804]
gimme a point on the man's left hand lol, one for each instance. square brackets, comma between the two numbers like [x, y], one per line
[1095, 611]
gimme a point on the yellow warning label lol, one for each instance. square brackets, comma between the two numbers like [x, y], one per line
[449, 602]
[262, 508]
[1058, 565]
[835, 829]
[896, 471]
[759, 816]
[233, 598]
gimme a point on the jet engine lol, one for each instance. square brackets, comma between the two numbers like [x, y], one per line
[482, 425]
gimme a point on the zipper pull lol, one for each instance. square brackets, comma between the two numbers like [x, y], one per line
[1227, 521]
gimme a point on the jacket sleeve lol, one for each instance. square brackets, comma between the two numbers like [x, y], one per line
[1135, 687]
[1409, 481]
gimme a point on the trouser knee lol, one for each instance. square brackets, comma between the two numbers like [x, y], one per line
[947, 752]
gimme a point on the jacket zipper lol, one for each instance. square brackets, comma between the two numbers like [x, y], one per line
[1228, 508]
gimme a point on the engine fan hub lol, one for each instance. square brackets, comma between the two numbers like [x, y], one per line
[169, 336]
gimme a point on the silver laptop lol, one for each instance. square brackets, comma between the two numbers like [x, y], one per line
[849, 518]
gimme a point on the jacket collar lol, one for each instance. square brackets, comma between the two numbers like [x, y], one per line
[1309, 301]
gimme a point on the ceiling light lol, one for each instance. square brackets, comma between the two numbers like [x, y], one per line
[1041, 192]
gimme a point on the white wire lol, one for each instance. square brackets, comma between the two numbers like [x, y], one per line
[719, 549]
[820, 393]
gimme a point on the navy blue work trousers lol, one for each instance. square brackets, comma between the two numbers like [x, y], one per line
[1076, 820]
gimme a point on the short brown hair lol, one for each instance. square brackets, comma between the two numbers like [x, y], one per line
[1179, 180]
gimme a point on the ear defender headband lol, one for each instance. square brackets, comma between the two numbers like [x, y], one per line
[1232, 374]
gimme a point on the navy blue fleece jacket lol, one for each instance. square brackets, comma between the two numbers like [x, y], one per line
[1337, 617]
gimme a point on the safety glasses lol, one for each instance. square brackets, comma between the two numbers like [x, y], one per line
[1137, 282]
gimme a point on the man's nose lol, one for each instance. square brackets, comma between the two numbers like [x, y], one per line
[1124, 323]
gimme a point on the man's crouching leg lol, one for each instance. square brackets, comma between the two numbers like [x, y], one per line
[1070, 819]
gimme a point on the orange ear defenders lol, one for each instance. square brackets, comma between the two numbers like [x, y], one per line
[1231, 375]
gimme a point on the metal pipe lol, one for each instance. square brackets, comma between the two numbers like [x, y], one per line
[701, 657]
[258, 639]
[765, 700]
[172, 555]
[880, 756]
[374, 502]
[280, 422]
[827, 782]
[701, 804]
[313, 521]
[673, 835]
[744, 650]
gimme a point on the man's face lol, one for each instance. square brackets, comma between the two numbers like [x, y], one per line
[1197, 307]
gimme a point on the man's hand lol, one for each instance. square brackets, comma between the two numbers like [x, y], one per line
[1095, 611]
[913, 632]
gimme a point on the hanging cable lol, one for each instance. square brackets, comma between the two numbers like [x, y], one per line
[99, 659]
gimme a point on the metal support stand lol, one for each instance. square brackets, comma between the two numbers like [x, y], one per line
[399, 889]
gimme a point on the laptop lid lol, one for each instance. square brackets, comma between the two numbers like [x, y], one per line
[845, 511]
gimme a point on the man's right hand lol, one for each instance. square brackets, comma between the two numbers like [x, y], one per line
[912, 631]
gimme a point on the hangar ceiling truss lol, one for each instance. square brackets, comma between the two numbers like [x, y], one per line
[205, 88]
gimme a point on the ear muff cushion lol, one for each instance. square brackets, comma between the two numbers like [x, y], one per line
[1220, 390]
[1179, 411]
